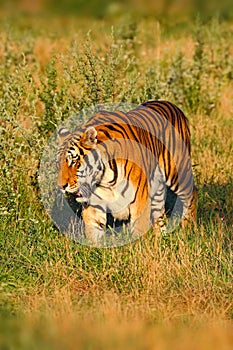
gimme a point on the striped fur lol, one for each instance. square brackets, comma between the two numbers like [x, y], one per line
[123, 163]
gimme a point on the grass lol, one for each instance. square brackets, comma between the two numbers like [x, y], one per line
[174, 291]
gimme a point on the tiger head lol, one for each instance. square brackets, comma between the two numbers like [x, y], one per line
[80, 167]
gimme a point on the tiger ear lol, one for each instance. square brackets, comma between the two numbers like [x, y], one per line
[89, 137]
[62, 134]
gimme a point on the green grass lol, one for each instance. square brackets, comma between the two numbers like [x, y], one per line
[58, 294]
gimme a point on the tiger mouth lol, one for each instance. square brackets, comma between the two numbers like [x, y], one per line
[82, 194]
[79, 197]
[77, 194]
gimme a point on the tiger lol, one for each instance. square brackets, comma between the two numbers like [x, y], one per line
[124, 163]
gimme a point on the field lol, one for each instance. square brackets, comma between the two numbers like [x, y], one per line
[173, 291]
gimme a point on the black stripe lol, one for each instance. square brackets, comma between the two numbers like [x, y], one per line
[125, 189]
[125, 166]
[86, 160]
[113, 167]
[135, 196]
[116, 128]
[174, 179]
[106, 133]
[145, 186]
[81, 151]
[95, 155]
[97, 206]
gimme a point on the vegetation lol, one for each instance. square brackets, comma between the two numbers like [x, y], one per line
[173, 291]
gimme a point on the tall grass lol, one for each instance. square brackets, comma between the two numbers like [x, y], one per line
[160, 291]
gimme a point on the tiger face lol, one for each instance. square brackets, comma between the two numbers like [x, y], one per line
[80, 167]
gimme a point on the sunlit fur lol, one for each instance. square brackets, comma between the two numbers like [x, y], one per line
[123, 163]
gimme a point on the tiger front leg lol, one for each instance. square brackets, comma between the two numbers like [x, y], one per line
[140, 218]
[95, 223]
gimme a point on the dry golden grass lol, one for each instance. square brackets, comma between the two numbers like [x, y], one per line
[111, 321]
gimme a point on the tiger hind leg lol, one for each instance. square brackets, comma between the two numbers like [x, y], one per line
[158, 217]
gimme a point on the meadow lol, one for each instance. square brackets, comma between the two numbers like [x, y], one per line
[172, 291]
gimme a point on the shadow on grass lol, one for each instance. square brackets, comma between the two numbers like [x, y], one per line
[215, 203]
